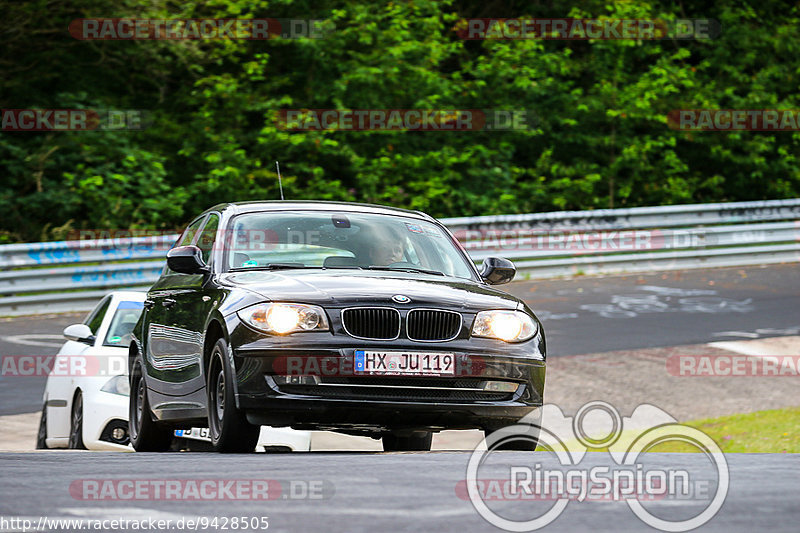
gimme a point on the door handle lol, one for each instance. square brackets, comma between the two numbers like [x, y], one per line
[168, 302]
[148, 304]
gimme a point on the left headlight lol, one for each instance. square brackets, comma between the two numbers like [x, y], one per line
[509, 326]
[117, 385]
[284, 318]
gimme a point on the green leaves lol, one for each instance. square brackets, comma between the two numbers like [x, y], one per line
[598, 134]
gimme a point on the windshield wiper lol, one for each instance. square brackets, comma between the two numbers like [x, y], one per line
[406, 269]
[274, 266]
[290, 266]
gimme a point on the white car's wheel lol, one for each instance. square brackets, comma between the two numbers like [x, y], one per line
[41, 437]
[76, 424]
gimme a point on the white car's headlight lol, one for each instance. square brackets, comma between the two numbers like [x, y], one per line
[284, 318]
[117, 385]
[509, 326]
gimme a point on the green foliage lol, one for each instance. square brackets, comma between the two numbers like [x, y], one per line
[597, 111]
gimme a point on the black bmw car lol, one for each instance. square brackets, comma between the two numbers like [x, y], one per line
[355, 318]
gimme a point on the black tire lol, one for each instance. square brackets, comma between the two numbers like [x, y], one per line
[76, 424]
[228, 428]
[418, 442]
[146, 435]
[41, 436]
[516, 442]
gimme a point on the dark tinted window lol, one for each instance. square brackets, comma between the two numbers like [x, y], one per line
[207, 237]
[188, 235]
[95, 318]
[186, 239]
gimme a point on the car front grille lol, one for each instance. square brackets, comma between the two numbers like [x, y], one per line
[397, 389]
[432, 325]
[380, 323]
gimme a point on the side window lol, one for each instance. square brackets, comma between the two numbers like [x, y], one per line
[185, 239]
[96, 317]
[207, 237]
[188, 235]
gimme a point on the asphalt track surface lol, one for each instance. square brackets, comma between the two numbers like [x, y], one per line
[379, 492]
[602, 314]
[580, 316]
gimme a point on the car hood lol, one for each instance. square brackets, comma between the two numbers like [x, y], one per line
[343, 288]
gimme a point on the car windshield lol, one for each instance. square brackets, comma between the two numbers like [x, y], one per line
[125, 317]
[281, 240]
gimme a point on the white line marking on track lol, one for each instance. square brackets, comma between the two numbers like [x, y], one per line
[745, 334]
[29, 339]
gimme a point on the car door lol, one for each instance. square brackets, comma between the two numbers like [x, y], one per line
[177, 326]
[194, 301]
[172, 347]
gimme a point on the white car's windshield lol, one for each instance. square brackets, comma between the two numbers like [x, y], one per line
[125, 318]
[342, 240]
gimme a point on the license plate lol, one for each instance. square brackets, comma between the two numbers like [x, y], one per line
[404, 363]
[194, 433]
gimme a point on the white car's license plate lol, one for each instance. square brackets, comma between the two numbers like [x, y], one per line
[404, 363]
[194, 433]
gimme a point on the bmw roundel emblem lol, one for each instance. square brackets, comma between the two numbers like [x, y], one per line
[401, 299]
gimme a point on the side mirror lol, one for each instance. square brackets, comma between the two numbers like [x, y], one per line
[79, 333]
[186, 260]
[497, 270]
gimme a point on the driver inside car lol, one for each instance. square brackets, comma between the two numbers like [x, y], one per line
[386, 252]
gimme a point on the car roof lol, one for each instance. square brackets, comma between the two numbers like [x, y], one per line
[135, 296]
[317, 205]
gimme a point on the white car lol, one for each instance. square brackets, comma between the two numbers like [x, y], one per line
[85, 402]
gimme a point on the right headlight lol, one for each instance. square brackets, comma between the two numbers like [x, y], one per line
[509, 326]
[284, 318]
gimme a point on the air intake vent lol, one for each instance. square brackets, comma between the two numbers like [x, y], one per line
[380, 323]
[432, 325]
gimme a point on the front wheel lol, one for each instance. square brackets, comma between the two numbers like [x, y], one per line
[76, 424]
[146, 435]
[513, 438]
[228, 427]
[419, 441]
[41, 437]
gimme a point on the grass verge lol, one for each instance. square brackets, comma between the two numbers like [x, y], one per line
[773, 431]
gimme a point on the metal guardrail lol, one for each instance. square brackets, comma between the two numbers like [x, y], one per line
[84, 251]
[64, 276]
[641, 217]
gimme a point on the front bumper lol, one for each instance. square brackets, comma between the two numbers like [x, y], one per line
[337, 398]
[360, 417]
[101, 408]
